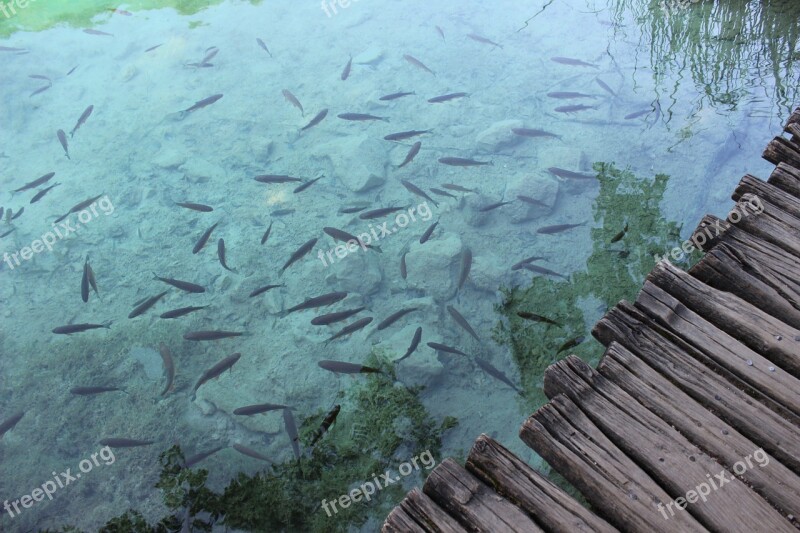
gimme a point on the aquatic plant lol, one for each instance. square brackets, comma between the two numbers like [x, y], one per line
[627, 211]
[382, 423]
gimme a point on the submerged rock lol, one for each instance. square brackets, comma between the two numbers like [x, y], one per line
[433, 266]
[540, 191]
[498, 136]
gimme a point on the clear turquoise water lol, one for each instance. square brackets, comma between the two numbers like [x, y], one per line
[713, 97]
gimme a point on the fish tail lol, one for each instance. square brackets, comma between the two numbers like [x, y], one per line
[107, 324]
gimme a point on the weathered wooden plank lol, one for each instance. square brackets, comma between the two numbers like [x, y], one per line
[714, 388]
[795, 117]
[786, 178]
[763, 284]
[772, 194]
[724, 350]
[667, 456]
[472, 503]
[771, 225]
[417, 513]
[513, 479]
[770, 478]
[615, 486]
[794, 129]
[780, 150]
[777, 342]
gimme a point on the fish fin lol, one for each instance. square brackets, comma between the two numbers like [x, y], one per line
[376, 248]
[107, 324]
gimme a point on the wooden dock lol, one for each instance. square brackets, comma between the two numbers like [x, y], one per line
[697, 398]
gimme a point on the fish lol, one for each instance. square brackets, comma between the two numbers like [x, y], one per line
[572, 62]
[169, 367]
[444, 348]
[265, 288]
[493, 206]
[40, 90]
[195, 207]
[446, 97]
[182, 285]
[360, 117]
[146, 304]
[221, 255]
[399, 136]
[340, 367]
[258, 409]
[264, 46]
[17, 214]
[574, 108]
[569, 174]
[394, 317]
[605, 86]
[299, 253]
[318, 301]
[291, 431]
[82, 119]
[542, 270]
[87, 280]
[79, 207]
[202, 103]
[495, 373]
[353, 209]
[461, 321]
[332, 318]
[413, 346]
[395, 96]
[483, 40]
[276, 178]
[412, 153]
[211, 52]
[306, 185]
[569, 95]
[35, 183]
[443, 193]
[62, 138]
[413, 189]
[530, 200]
[327, 422]
[8, 424]
[637, 114]
[466, 266]
[40, 77]
[266, 234]
[417, 63]
[213, 335]
[282, 212]
[39, 195]
[294, 101]
[316, 120]
[619, 235]
[196, 458]
[125, 443]
[428, 232]
[536, 318]
[380, 212]
[403, 267]
[440, 31]
[521, 264]
[203, 239]
[1, 212]
[215, 371]
[343, 236]
[89, 391]
[244, 450]
[457, 188]
[462, 162]
[531, 132]
[153, 47]
[347, 67]
[571, 343]
[97, 32]
[558, 228]
[7, 233]
[351, 328]
[183, 311]
[12, 49]
[78, 328]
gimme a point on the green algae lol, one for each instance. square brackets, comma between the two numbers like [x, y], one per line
[40, 15]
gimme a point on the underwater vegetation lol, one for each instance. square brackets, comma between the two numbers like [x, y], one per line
[383, 423]
[632, 231]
